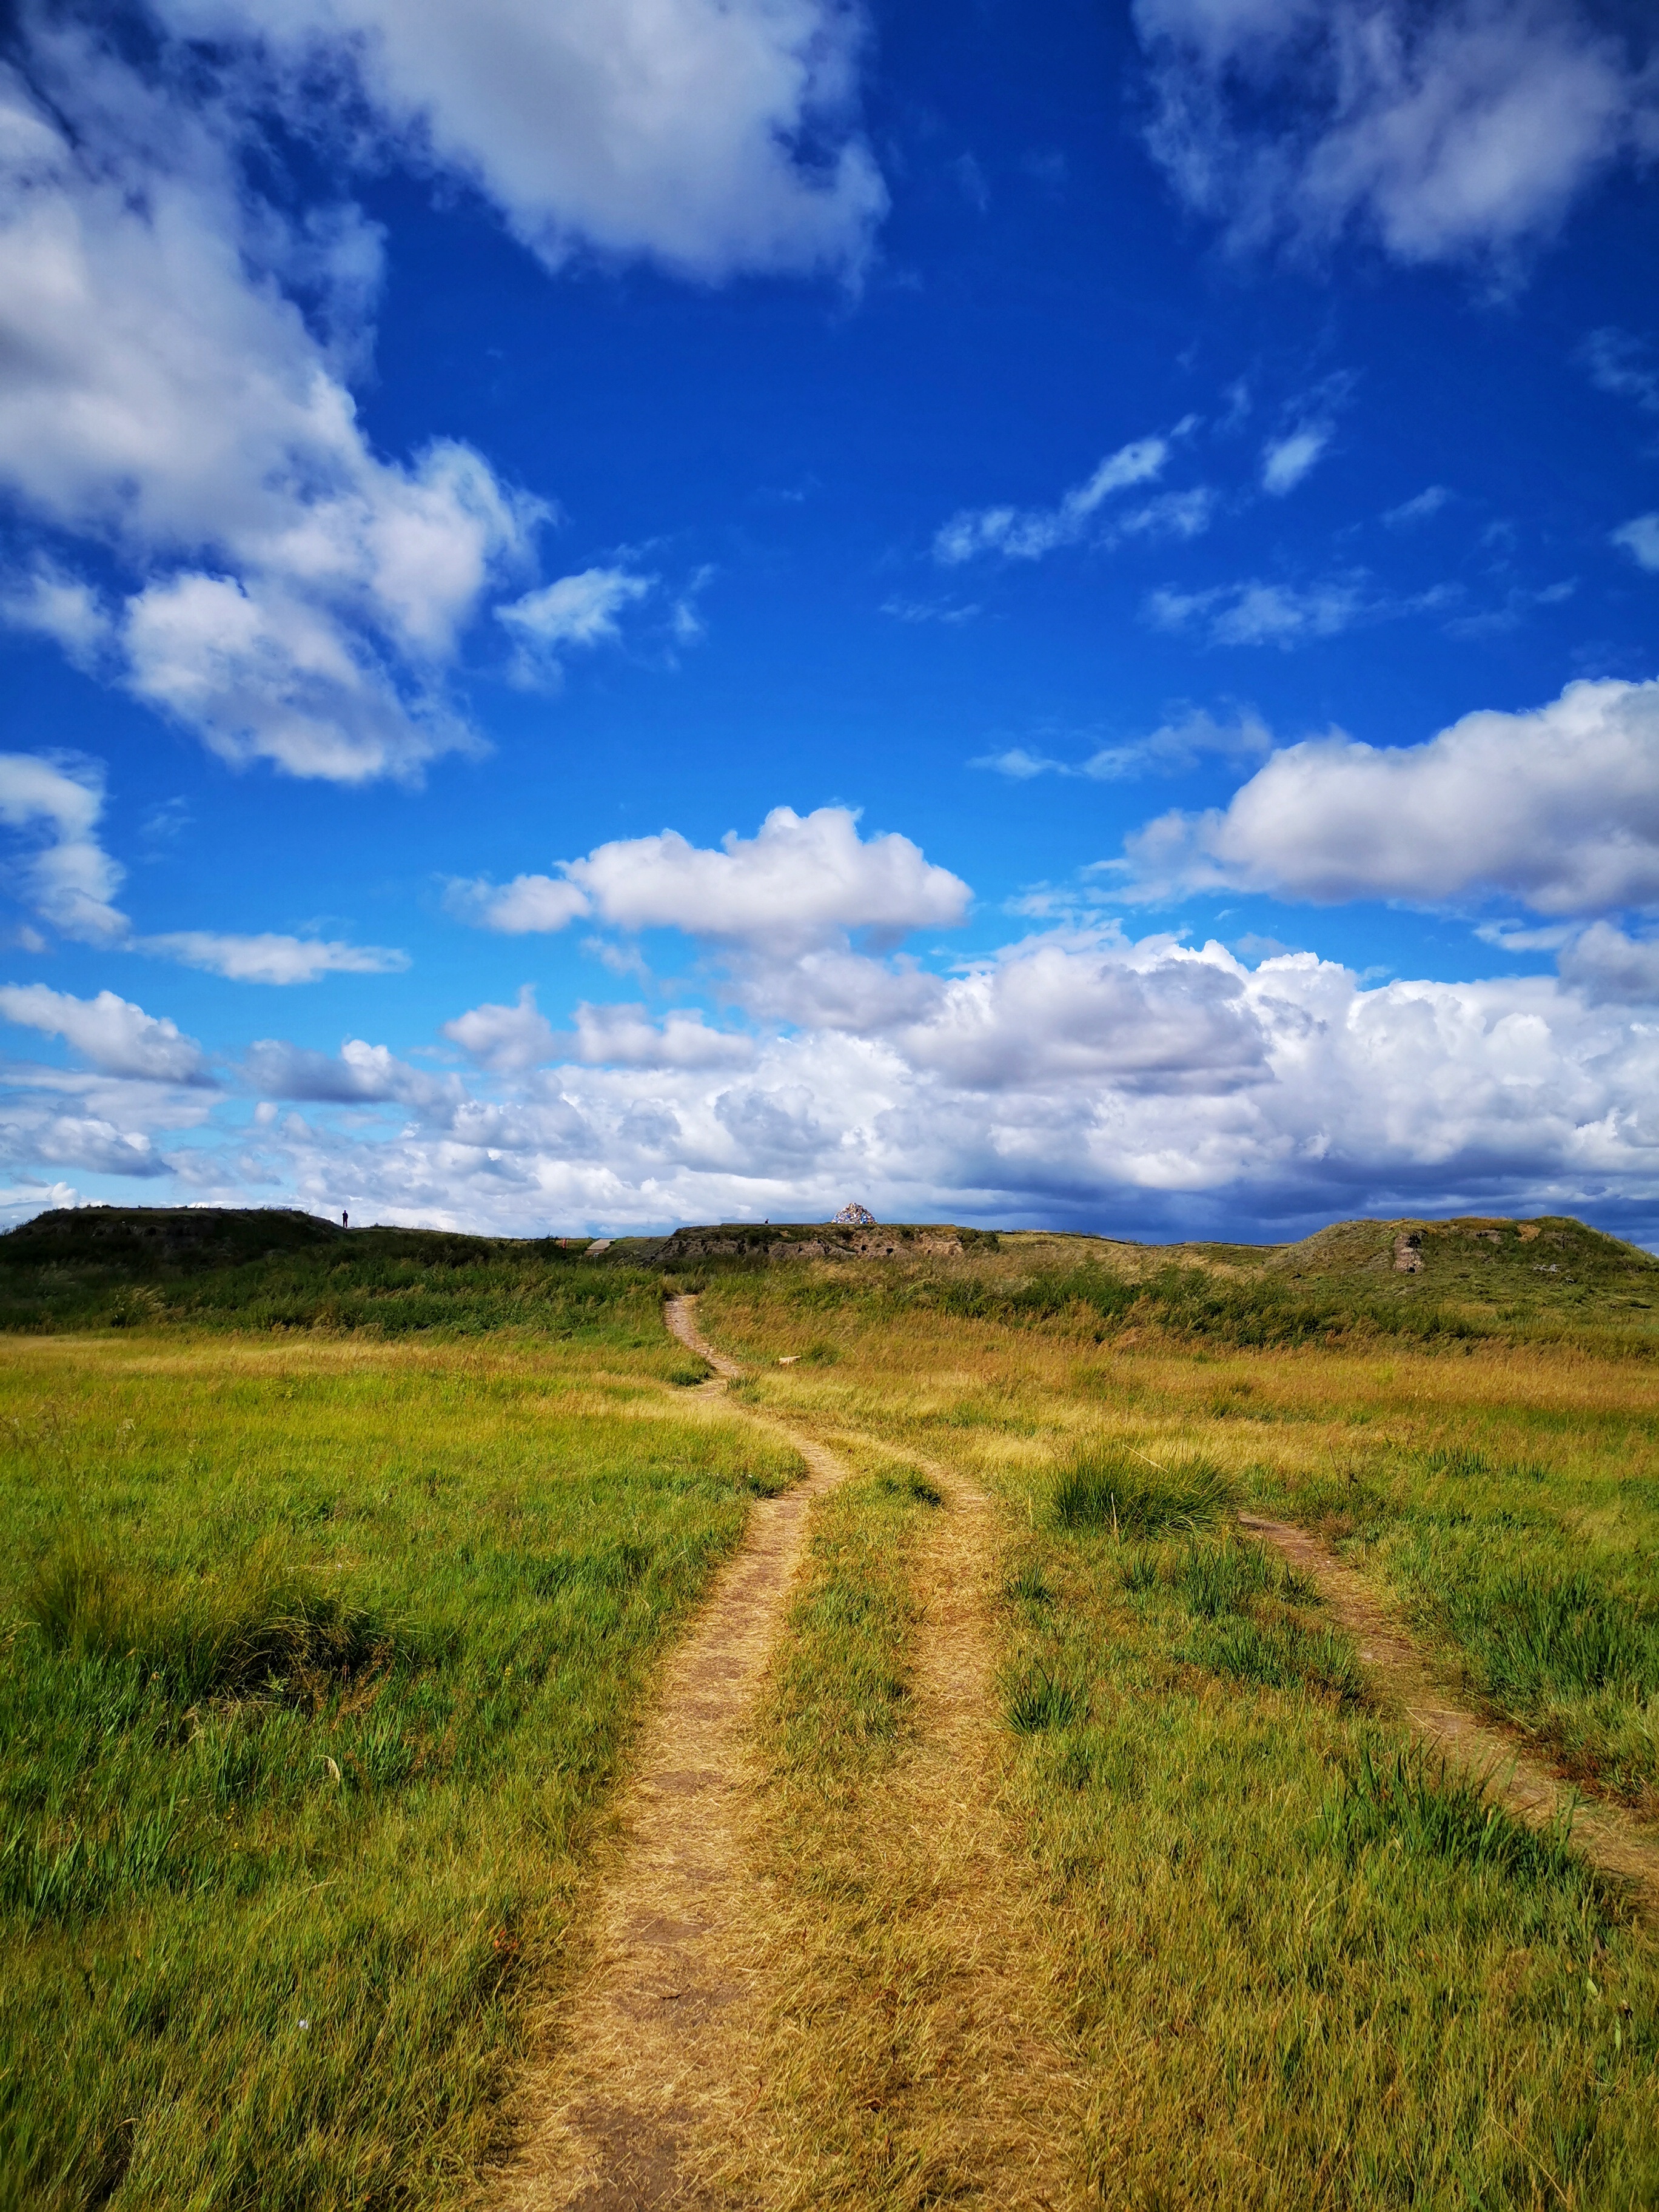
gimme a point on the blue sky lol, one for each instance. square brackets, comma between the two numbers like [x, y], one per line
[618, 613]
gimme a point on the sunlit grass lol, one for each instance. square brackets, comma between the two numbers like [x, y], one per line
[320, 1659]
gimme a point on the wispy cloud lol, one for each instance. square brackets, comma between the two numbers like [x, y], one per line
[1255, 613]
[1418, 509]
[1443, 133]
[1286, 460]
[1639, 538]
[269, 958]
[1028, 533]
[1622, 364]
[1173, 747]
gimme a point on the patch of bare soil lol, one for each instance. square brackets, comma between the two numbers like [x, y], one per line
[637, 2060]
[1607, 1836]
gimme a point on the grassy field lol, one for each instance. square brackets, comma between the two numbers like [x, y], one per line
[320, 1658]
[1302, 1966]
[342, 1569]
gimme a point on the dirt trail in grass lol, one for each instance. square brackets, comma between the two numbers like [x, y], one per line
[663, 2087]
[637, 2064]
[1608, 1836]
[986, 2096]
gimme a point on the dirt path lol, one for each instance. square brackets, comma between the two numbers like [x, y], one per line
[667, 2085]
[637, 2067]
[911, 2050]
[1608, 1836]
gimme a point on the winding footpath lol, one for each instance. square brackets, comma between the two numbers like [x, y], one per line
[659, 2058]
[638, 2068]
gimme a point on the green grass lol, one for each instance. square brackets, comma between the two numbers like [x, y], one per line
[110, 1267]
[320, 1661]
[1110, 1486]
[1306, 1966]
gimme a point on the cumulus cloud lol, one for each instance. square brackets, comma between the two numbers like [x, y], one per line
[271, 958]
[359, 1074]
[507, 1039]
[1640, 539]
[67, 879]
[163, 396]
[1441, 132]
[1611, 968]
[1028, 533]
[116, 1036]
[1156, 1019]
[713, 135]
[1078, 1077]
[1557, 808]
[801, 880]
[625, 1036]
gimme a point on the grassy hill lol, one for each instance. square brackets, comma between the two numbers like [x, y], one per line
[127, 1267]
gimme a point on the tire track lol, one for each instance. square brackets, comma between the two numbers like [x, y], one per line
[1608, 1836]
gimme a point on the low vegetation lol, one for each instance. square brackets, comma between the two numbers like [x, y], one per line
[342, 1563]
[321, 1658]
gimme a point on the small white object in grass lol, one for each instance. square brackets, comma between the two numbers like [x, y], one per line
[304, 2023]
[789, 1359]
[334, 1772]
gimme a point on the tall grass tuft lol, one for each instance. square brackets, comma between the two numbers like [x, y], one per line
[1039, 1699]
[1106, 1486]
[1426, 1809]
[1537, 1640]
[254, 1627]
[1279, 1654]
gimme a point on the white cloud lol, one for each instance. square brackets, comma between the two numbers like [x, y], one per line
[1286, 461]
[1173, 747]
[47, 599]
[1619, 363]
[1611, 968]
[1079, 1077]
[625, 1036]
[527, 904]
[1418, 509]
[1027, 534]
[1640, 539]
[1442, 132]
[69, 879]
[269, 958]
[1156, 1018]
[163, 396]
[582, 610]
[118, 1037]
[1557, 808]
[1255, 613]
[714, 136]
[801, 880]
[361, 1073]
[507, 1039]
